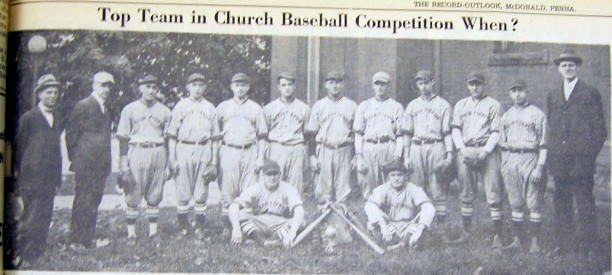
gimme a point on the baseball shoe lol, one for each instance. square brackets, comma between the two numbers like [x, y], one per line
[199, 232]
[78, 248]
[535, 246]
[271, 243]
[515, 244]
[183, 232]
[462, 238]
[497, 242]
[155, 240]
[131, 241]
[396, 246]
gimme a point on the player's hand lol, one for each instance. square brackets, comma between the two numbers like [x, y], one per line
[314, 164]
[408, 164]
[259, 164]
[125, 167]
[173, 164]
[360, 165]
[538, 174]
[386, 233]
[288, 241]
[210, 173]
[167, 173]
[236, 236]
[482, 156]
[416, 235]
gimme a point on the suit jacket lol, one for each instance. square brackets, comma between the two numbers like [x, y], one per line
[38, 152]
[88, 138]
[577, 130]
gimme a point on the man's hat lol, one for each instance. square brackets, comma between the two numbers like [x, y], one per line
[476, 76]
[270, 167]
[394, 165]
[45, 81]
[335, 76]
[195, 77]
[103, 77]
[568, 55]
[285, 75]
[382, 77]
[424, 75]
[148, 78]
[518, 84]
[241, 77]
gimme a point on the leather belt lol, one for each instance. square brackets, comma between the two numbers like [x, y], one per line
[478, 144]
[425, 141]
[193, 142]
[379, 140]
[242, 147]
[284, 143]
[332, 146]
[147, 145]
[521, 151]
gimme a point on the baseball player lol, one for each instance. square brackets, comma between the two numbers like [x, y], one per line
[331, 122]
[141, 133]
[267, 211]
[398, 211]
[475, 132]
[523, 143]
[377, 133]
[429, 145]
[193, 145]
[243, 130]
[286, 118]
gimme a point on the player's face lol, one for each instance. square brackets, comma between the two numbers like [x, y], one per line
[49, 96]
[103, 90]
[240, 89]
[334, 87]
[196, 89]
[476, 88]
[397, 179]
[286, 87]
[271, 180]
[149, 91]
[425, 88]
[380, 89]
[568, 69]
[518, 95]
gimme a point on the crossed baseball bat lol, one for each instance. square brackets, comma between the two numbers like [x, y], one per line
[330, 207]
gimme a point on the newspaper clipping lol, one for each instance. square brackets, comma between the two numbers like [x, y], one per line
[387, 137]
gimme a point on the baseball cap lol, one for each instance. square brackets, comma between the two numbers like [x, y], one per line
[103, 77]
[518, 84]
[241, 77]
[195, 77]
[476, 76]
[334, 75]
[149, 78]
[424, 75]
[394, 165]
[382, 77]
[45, 81]
[285, 75]
[270, 167]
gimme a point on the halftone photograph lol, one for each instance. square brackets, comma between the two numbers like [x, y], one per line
[217, 153]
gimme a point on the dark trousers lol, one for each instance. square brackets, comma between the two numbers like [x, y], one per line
[566, 190]
[34, 222]
[88, 195]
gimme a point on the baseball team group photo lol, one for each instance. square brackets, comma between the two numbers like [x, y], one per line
[170, 152]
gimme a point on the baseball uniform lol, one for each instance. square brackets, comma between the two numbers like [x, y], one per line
[477, 119]
[332, 121]
[144, 129]
[241, 124]
[194, 127]
[401, 210]
[268, 211]
[426, 122]
[378, 122]
[286, 122]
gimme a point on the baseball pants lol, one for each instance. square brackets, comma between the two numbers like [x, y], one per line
[193, 160]
[291, 159]
[334, 177]
[424, 158]
[516, 170]
[237, 171]
[88, 195]
[401, 231]
[147, 166]
[490, 175]
[266, 224]
[375, 155]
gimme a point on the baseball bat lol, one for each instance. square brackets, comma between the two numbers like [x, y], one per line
[310, 227]
[361, 234]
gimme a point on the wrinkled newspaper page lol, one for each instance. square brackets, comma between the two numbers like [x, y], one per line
[386, 137]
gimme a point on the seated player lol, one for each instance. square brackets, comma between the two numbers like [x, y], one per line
[268, 211]
[398, 211]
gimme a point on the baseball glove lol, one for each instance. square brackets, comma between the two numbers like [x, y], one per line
[125, 181]
[471, 160]
[210, 174]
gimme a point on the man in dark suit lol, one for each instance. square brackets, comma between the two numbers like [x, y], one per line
[38, 162]
[576, 135]
[88, 140]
